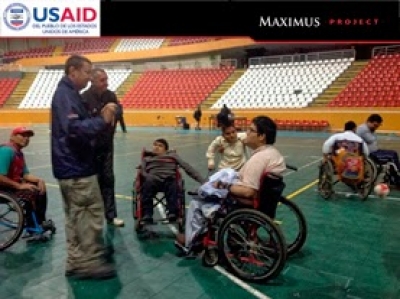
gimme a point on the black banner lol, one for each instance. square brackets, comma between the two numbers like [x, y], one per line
[264, 21]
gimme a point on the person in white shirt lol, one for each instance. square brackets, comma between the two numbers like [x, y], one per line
[349, 137]
[229, 147]
[261, 136]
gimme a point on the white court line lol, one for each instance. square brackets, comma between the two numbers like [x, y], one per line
[370, 196]
[256, 293]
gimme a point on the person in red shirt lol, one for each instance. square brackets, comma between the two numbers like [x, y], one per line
[16, 179]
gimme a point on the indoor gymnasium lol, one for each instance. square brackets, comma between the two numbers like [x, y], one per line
[332, 241]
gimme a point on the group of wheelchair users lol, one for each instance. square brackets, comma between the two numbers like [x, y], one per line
[237, 175]
[356, 159]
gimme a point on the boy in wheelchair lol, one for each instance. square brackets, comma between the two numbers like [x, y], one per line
[158, 169]
[242, 189]
[16, 180]
[346, 150]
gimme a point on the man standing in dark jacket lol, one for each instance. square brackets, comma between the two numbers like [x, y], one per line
[96, 97]
[73, 133]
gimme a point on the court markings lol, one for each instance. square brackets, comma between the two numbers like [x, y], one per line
[350, 194]
[256, 293]
[251, 290]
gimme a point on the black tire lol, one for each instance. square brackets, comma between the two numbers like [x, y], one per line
[261, 220]
[372, 173]
[325, 180]
[297, 244]
[210, 257]
[9, 200]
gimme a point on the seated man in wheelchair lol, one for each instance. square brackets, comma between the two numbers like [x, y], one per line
[261, 137]
[16, 179]
[159, 172]
[382, 157]
[343, 147]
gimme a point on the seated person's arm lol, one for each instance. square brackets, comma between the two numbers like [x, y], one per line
[327, 147]
[194, 174]
[366, 135]
[6, 157]
[246, 190]
[143, 169]
[243, 194]
[30, 178]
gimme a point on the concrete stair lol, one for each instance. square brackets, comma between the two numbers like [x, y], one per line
[339, 84]
[114, 45]
[127, 85]
[165, 43]
[222, 89]
[58, 51]
[20, 91]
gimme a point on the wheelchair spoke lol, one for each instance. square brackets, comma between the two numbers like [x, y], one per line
[10, 222]
[251, 247]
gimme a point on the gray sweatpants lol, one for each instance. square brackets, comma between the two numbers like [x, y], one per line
[84, 222]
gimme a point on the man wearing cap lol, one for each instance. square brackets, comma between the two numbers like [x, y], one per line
[16, 178]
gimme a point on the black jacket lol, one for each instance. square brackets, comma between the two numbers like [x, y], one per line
[94, 104]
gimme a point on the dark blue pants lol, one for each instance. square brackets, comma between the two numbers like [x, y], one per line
[151, 187]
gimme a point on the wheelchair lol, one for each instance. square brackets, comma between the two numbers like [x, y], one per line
[349, 167]
[13, 215]
[387, 172]
[159, 199]
[241, 237]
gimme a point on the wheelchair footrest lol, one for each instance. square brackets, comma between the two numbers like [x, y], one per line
[37, 237]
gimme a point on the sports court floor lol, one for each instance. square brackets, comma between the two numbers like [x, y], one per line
[352, 250]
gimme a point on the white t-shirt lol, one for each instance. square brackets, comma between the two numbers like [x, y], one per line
[345, 136]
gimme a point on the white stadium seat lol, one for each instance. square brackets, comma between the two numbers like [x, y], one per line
[41, 91]
[283, 85]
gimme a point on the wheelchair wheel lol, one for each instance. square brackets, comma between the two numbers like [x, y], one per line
[210, 257]
[242, 244]
[325, 183]
[294, 228]
[11, 221]
[370, 175]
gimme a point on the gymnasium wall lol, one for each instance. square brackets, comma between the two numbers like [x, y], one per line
[146, 55]
[336, 117]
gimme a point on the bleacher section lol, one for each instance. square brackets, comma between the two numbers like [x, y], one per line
[179, 41]
[42, 89]
[138, 44]
[175, 89]
[283, 85]
[91, 45]
[7, 85]
[10, 56]
[377, 85]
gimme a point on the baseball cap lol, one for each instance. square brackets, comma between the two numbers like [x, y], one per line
[22, 130]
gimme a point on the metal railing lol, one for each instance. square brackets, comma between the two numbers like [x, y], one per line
[190, 64]
[313, 56]
[10, 67]
[114, 66]
[385, 50]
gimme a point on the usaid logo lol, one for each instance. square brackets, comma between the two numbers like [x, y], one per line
[16, 16]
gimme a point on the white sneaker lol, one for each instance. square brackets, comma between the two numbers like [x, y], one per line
[118, 222]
